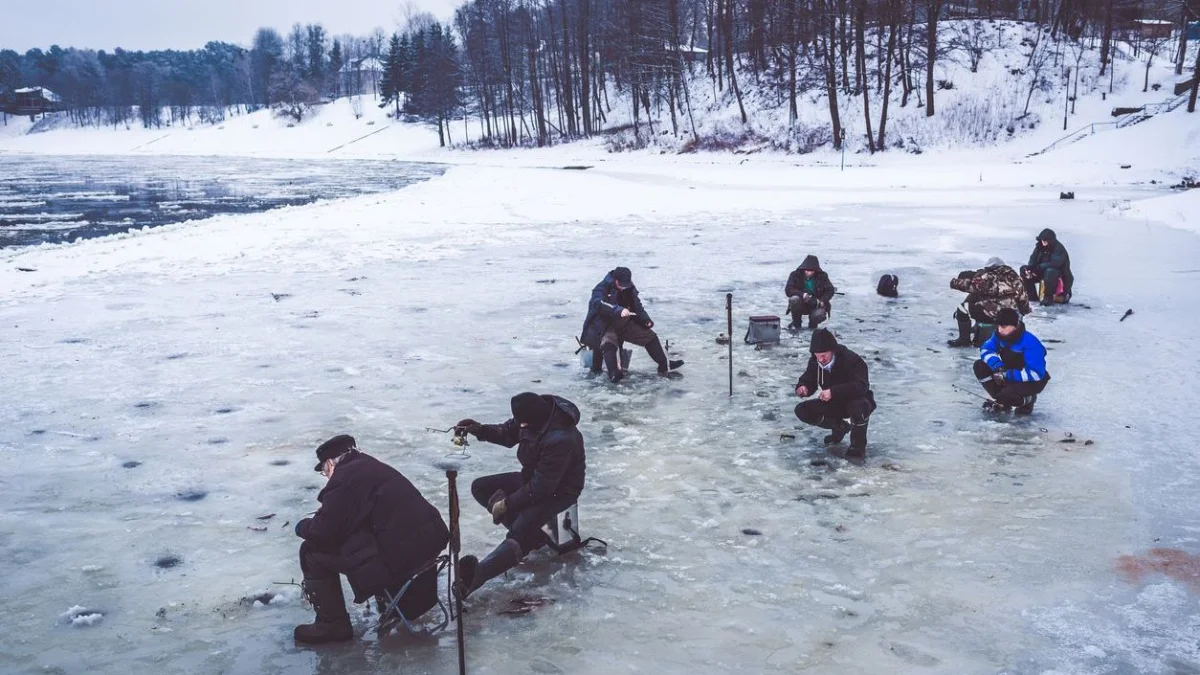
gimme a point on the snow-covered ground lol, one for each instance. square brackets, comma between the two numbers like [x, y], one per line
[218, 354]
[168, 387]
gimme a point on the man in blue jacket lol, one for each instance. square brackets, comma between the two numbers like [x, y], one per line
[550, 450]
[1012, 366]
[616, 315]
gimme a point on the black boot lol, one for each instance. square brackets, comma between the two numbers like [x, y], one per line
[838, 432]
[995, 406]
[964, 331]
[612, 362]
[597, 362]
[656, 352]
[858, 441]
[474, 572]
[332, 623]
[1026, 408]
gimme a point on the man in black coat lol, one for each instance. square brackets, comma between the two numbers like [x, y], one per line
[616, 315]
[373, 526]
[550, 450]
[809, 293]
[839, 378]
[1048, 263]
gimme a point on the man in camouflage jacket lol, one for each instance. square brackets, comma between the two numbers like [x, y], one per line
[989, 290]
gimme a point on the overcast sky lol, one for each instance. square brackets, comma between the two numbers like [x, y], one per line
[187, 24]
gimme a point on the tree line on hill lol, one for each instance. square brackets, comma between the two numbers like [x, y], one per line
[536, 72]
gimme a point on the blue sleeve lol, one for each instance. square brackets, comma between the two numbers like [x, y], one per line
[597, 302]
[1035, 362]
[989, 353]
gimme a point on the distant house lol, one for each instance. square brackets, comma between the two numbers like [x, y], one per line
[361, 77]
[690, 53]
[32, 101]
[1150, 29]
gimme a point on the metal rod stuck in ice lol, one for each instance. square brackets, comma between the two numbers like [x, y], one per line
[455, 545]
[729, 332]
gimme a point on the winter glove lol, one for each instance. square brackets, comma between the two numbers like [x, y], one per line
[648, 323]
[470, 426]
[499, 508]
[998, 377]
[300, 525]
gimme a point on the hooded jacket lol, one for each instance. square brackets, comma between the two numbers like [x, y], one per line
[1054, 256]
[605, 307]
[848, 379]
[378, 522]
[552, 457]
[1021, 357]
[823, 289]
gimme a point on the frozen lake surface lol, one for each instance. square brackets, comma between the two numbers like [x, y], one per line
[166, 390]
[57, 199]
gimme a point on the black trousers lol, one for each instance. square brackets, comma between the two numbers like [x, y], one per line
[1031, 277]
[316, 563]
[524, 525]
[828, 415]
[1013, 394]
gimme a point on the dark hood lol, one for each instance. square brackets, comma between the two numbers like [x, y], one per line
[565, 415]
[1048, 235]
[810, 263]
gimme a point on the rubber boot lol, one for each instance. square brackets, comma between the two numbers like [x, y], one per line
[838, 432]
[655, 350]
[1026, 408]
[964, 331]
[817, 317]
[612, 363]
[332, 623]
[858, 441]
[597, 362]
[474, 572]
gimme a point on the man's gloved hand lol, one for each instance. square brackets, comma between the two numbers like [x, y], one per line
[470, 426]
[998, 377]
[648, 323]
[499, 508]
[300, 525]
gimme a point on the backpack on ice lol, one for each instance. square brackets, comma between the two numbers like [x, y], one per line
[763, 330]
[889, 286]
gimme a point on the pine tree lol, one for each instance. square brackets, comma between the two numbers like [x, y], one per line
[389, 86]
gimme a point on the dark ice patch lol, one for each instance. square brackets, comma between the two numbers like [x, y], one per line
[168, 561]
[224, 411]
[191, 495]
[280, 462]
[217, 441]
[131, 464]
[75, 341]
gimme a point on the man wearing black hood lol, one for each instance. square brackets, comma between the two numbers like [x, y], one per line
[809, 293]
[616, 315]
[839, 378]
[550, 450]
[1049, 263]
[373, 526]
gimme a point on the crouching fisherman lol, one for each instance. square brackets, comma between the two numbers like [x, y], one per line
[616, 315]
[373, 526]
[839, 378]
[809, 293]
[550, 449]
[1012, 366]
[989, 290]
